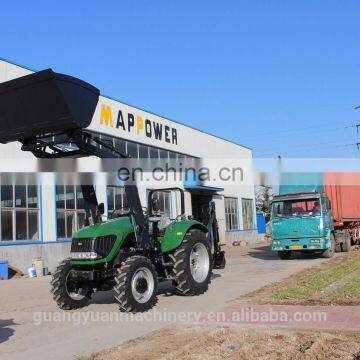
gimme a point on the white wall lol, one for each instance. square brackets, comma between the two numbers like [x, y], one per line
[48, 206]
[189, 140]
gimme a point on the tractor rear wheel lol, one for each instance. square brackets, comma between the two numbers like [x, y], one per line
[136, 284]
[192, 264]
[66, 293]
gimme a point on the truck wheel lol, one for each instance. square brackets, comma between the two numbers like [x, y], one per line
[285, 255]
[136, 284]
[338, 247]
[65, 292]
[346, 245]
[328, 253]
[192, 264]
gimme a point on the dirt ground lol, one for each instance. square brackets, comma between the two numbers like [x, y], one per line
[22, 338]
[233, 341]
[201, 342]
[31, 325]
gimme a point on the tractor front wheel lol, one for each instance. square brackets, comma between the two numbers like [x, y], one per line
[136, 284]
[66, 293]
[192, 264]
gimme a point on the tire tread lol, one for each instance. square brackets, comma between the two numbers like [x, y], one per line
[123, 291]
[179, 272]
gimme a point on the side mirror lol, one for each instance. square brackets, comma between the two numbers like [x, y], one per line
[101, 208]
[155, 204]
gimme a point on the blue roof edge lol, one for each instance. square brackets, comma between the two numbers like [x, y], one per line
[202, 187]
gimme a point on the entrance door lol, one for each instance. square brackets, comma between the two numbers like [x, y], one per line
[200, 207]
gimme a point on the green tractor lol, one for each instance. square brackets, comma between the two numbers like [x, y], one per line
[107, 256]
[48, 113]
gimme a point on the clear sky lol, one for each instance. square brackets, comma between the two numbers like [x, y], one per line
[281, 77]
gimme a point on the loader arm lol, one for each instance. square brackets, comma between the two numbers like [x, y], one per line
[48, 113]
[213, 232]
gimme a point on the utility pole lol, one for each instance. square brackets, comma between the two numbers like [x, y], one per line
[357, 131]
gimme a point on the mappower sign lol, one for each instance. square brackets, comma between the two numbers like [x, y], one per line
[123, 121]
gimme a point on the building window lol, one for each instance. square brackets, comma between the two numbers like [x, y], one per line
[116, 200]
[164, 154]
[120, 145]
[153, 153]
[19, 208]
[132, 150]
[70, 210]
[143, 152]
[136, 150]
[106, 140]
[248, 213]
[231, 214]
[164, 199]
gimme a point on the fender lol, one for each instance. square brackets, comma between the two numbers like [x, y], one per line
[175, 233]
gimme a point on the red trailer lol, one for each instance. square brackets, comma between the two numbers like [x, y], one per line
[343, 190]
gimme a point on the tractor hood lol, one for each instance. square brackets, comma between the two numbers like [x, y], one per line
[119, 227]
[296, 227]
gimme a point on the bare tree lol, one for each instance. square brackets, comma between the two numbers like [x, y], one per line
[263, 197]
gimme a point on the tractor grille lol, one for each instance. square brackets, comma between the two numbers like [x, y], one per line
[82, 245]
[102, 245]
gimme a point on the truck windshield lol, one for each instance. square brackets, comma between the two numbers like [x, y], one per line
[294, 208]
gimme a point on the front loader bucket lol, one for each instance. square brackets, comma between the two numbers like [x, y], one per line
[44, 103]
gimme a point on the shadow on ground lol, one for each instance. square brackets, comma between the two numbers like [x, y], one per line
[265, 253]
[165, 288]
[5, 331]
[103, 297]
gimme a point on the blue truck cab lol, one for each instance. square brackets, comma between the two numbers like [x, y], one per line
[302, 221]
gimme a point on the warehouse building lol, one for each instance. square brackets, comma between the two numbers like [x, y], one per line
[39, 216]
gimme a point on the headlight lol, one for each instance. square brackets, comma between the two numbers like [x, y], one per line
[84, 255]
[276, 242]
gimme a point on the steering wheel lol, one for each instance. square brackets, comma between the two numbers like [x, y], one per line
[121, 211]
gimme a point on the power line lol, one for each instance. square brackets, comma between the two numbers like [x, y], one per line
[334, 146]
[302, 146]
[300, 130]
[300, 134]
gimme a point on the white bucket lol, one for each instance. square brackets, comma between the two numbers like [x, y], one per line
[32, 272]
[38, 265]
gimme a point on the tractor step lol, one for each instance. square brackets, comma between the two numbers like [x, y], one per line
[219, 260]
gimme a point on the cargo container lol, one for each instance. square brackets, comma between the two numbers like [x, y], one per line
[316, 212]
